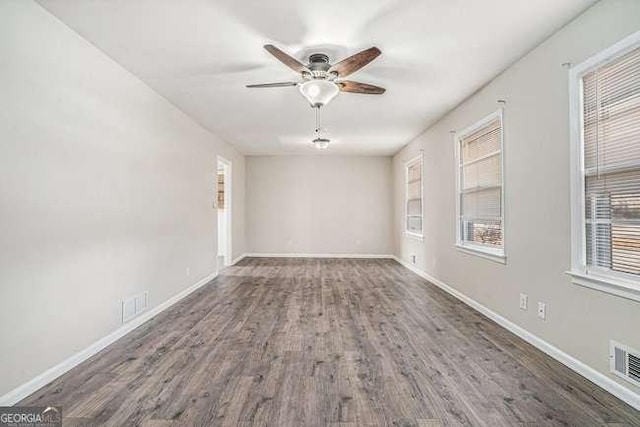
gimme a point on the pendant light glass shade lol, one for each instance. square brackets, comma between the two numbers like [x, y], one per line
[319, 92]
[321, 143]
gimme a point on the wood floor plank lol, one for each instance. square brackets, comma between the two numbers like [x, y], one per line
[325, 342]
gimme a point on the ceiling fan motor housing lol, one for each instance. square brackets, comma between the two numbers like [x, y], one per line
[318, 62]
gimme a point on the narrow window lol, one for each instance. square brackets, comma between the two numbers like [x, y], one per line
[413, 190]
[480, 216]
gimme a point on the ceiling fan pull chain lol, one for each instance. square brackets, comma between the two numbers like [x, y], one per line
[319, 142]
[317, 121]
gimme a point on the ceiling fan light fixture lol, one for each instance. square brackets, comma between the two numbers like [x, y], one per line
[319, 92]
[321, 143]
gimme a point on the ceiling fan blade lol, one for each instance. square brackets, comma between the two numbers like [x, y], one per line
[356, 87]
[283, 84]
[286, 59]
[353, 63]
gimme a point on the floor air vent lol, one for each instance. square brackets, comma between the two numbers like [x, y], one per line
[625, 362]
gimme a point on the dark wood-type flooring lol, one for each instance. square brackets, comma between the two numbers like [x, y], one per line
[325, 342]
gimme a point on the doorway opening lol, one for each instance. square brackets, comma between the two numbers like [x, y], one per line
[223, 203]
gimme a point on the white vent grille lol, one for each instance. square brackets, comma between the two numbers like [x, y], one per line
[625, 362]
[633, 367]
[134, 305]
[141, 302]
[128, 309]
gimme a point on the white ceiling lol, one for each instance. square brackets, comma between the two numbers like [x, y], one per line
[199, 54]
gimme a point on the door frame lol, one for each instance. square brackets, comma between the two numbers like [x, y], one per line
[228, 204]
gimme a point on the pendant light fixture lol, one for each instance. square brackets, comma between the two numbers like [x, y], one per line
[321, 143]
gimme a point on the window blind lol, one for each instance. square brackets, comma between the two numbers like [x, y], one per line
[414, 197]
[480, 189]
[611, 138]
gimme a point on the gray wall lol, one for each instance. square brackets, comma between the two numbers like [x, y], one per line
[106, 191]
[319, 204]
[579, 321]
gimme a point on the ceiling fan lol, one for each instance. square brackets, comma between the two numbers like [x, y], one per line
[321, 81]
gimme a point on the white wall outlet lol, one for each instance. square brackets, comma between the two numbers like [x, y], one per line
[188, 271]
[542, 310]
[524, 301]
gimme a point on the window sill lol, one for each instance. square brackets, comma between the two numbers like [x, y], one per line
[611, 285]
[414, 236]
[487, 254]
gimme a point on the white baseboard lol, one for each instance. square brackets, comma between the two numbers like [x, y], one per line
[295, 255]
[237, 260]
[19, 393]
[572, 363]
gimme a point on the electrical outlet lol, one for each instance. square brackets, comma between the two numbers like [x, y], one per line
[542, 310]
[523, 301]
[413, 259]
[188, 271]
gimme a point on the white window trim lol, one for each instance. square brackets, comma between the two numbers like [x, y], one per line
[418, 158]
[620, 284]
[493, 254]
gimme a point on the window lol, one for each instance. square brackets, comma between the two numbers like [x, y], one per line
[606, 174]
[480, 213]
[413, 191]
